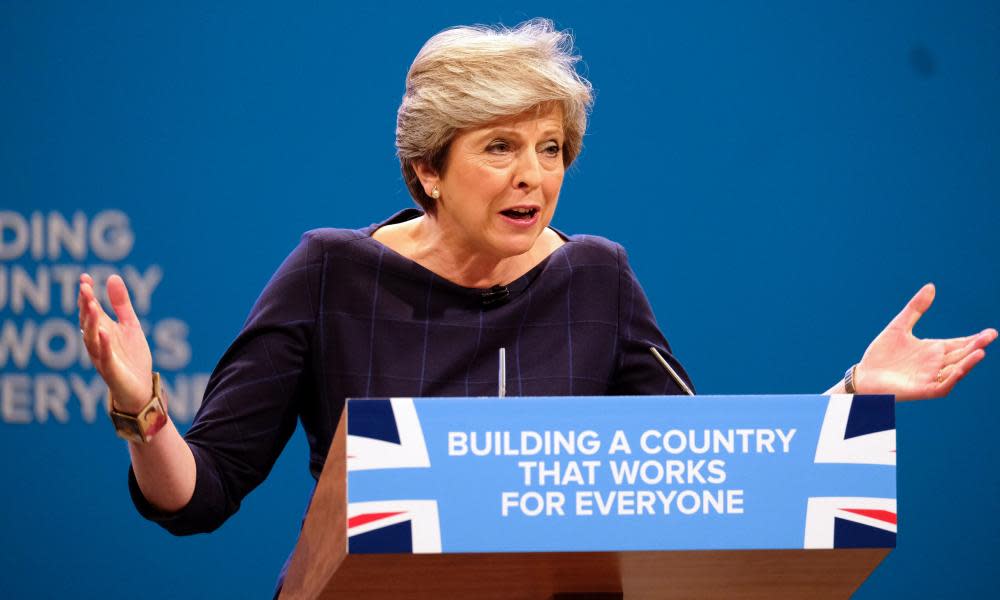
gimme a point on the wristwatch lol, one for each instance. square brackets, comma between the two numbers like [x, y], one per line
[141, 427]
[849, 380]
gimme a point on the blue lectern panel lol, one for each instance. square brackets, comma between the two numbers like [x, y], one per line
[621, 473]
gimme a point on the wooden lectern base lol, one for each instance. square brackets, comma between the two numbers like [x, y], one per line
[637, 575]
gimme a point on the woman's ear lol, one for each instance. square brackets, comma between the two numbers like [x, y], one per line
[429, 178]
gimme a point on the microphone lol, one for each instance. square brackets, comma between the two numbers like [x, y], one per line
[497, 294]
[670, 370]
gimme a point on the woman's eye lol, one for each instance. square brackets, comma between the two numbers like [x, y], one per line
[552, 150]
[498, 147]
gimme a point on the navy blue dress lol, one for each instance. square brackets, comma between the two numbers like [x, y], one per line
[346, 317]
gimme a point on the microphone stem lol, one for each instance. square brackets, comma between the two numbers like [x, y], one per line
[671, 371]
[502, 383]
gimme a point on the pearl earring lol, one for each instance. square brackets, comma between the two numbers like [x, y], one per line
[435, 193]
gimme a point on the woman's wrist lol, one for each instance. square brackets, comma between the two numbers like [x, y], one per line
[862, 381]
[131, 401]
[140, 426]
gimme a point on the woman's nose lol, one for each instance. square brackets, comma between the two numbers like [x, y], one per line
[529, 171]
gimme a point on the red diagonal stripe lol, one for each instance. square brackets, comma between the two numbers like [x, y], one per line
[369, 517]
[880, 515]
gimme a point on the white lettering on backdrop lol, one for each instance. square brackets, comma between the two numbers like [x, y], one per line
[45, 373]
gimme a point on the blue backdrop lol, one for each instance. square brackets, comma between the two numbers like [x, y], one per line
[784, 177]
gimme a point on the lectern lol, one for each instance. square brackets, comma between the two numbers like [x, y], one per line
[601, 497]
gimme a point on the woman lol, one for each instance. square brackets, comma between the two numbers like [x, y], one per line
[420, 304]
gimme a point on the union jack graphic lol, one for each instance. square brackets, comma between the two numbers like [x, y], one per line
[393, 526]
[858, 431]
[386, 434]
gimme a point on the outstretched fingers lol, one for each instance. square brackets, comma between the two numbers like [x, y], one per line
[958, 348]
[120, 303]
[90, 316]
[85, 297]
[81, 305]
[914, 309]
[952, 374]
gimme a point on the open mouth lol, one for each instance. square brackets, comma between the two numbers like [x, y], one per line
[520, 214]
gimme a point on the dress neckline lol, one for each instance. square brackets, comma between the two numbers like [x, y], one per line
[515, 287]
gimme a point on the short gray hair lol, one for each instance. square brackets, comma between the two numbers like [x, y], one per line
[468, 76]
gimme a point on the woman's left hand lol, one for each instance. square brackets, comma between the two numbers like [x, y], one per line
[897, 362]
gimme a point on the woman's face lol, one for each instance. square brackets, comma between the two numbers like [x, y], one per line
[501, 183]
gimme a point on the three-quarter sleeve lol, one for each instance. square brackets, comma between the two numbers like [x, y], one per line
[637, 371]
[253, 398]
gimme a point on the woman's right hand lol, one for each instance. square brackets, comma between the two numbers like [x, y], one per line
[118, 349]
